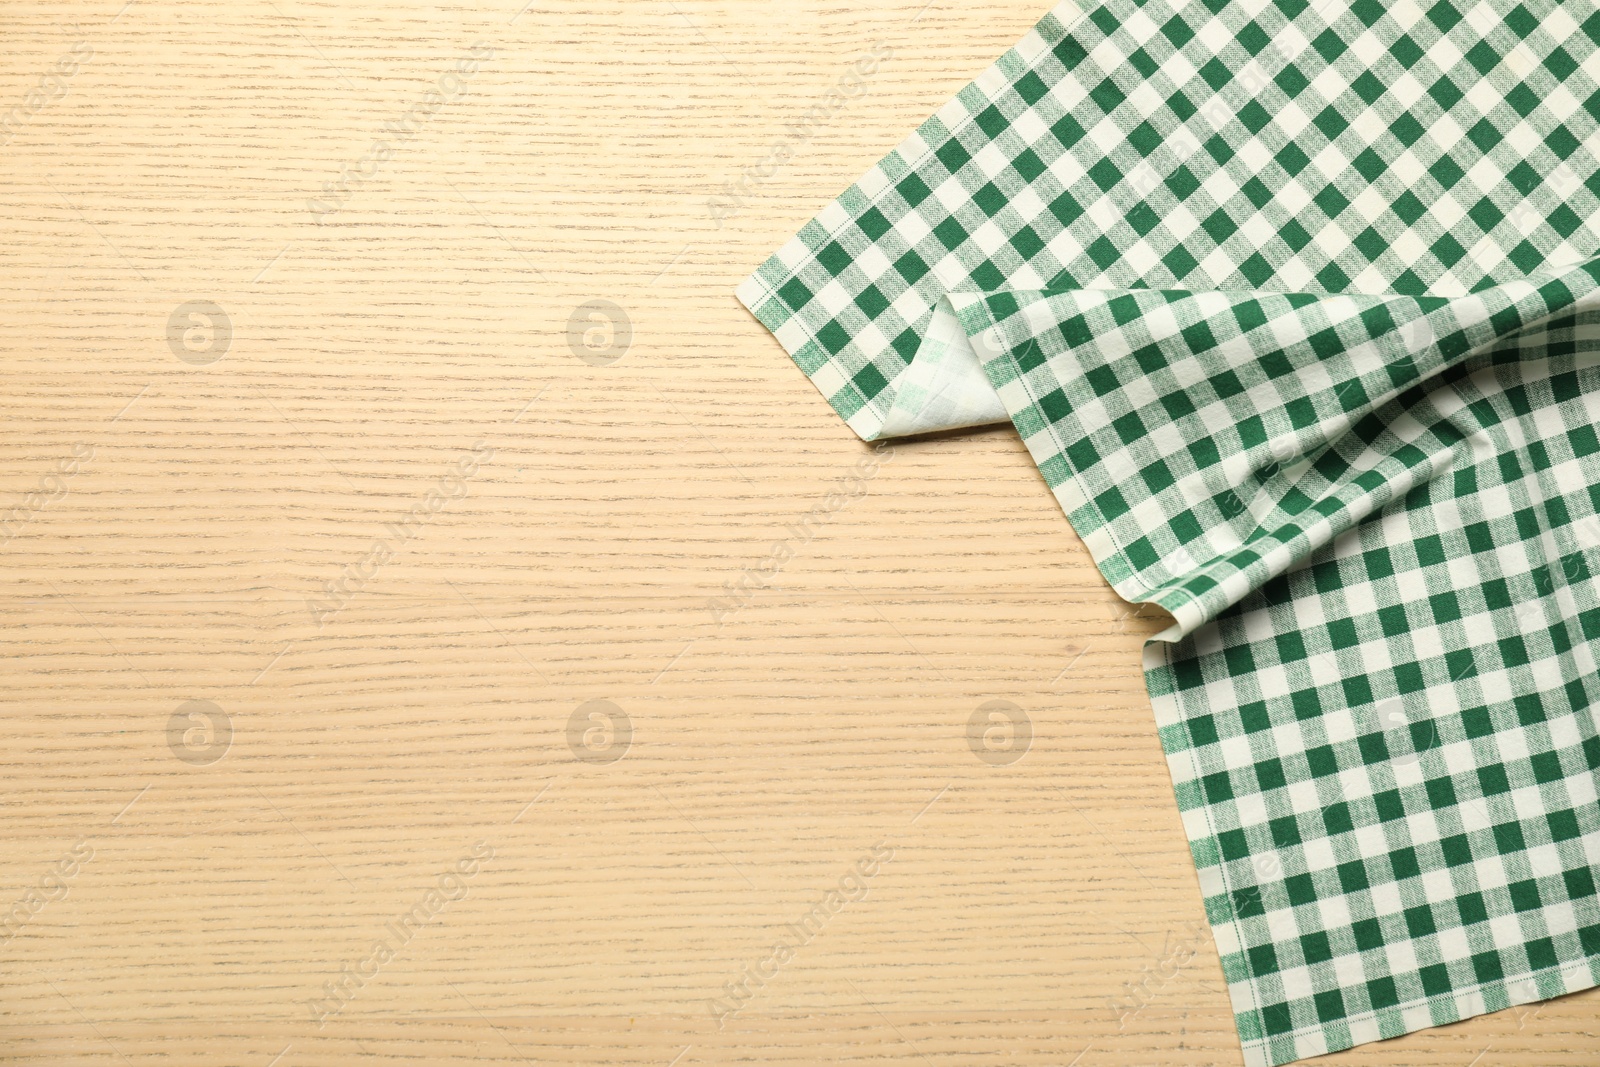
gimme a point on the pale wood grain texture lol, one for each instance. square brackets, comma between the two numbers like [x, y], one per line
[375, 747]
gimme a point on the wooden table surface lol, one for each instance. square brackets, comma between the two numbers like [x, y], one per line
[410, 660]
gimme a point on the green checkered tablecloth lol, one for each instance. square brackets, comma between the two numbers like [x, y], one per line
[1297, 307]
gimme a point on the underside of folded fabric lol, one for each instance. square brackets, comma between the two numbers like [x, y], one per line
[1297, 308]
[944, 387]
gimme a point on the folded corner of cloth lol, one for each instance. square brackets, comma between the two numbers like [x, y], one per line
[939, 384]
[1296, 305]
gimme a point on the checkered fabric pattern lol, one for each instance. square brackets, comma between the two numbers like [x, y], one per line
[1297, 307]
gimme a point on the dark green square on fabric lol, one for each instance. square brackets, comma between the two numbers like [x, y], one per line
[992, 121]
[1218, 787]
[1055, 405]
[951, 233]
[873, 224]
[913, 190]
[911, 267]
[1525, 895]
[953, 154]
[1269, 774]
[990, 199]
[1486, 967]
[1031, 87]
[872, 302]
[834, 258]
[1277, 1018]
[1322, 761]
[1300, 889]
[870, 380]
[835, 338]
[1353, 876]
[795, 294]
[1316, 948]
[1435, 979]
[1390, 805]
[1404, 863]
[1419, 921]
[1263, 959]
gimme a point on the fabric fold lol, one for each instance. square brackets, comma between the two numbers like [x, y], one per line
[1270, 423]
